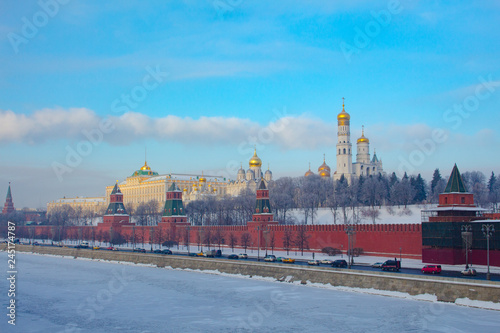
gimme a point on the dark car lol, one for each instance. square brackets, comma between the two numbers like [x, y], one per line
[192, 254]
[391, 265]
[339, 263]
[138, 249]
[233, 256]
[157, 251]
[166, 251]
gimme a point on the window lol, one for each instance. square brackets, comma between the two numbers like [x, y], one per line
[344, 150]
[446, 201]
[463, 200]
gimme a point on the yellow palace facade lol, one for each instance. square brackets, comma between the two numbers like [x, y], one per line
[145, 185]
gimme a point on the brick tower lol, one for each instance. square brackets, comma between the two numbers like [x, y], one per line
[9, 205]
[174, 215]
[262, 217]
[116, 214]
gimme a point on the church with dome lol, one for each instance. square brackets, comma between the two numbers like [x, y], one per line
[364, 165]
[250, 178]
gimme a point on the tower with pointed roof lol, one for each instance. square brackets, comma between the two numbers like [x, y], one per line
[174, 214]
[8, 207]
[455, 193]
[116, 212]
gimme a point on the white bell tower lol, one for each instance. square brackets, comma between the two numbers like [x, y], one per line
[344, 146]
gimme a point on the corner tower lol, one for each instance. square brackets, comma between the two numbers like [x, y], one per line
[344, 146]
[8, 207]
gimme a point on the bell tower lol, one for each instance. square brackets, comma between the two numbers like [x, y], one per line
[344, 146]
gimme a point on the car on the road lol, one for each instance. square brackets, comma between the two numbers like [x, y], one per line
[339, 263]
[377, 265]
[391, 265]
[138, 249]
[431, 269]
[326, 261]
[233, 256]
[157, 251]
[313, 262]
[280, 259]
[111, 248]
[96, 248]
[200, 254]
[36, 243]
[166, 251]
[243, 256]
[288, 260]
[192, 254]
[469, 272]
[270, 258]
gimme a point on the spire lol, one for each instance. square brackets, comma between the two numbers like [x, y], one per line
[343, 104]
[116, 189]
[455, 183]
[9, 195]
[362, 130]
[324, 158]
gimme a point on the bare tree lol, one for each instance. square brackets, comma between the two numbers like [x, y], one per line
[301, 238]
[287, 240]
[232, 240]
[245, 240]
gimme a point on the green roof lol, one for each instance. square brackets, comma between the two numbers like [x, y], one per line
[455, 183]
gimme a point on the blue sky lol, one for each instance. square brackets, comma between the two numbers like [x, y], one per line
[233, 73]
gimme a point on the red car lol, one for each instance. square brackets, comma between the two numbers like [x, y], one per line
[431, 269]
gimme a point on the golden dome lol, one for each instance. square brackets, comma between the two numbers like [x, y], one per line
[202, 179]
[309, 172]
[363, 138]
[324, 166]
[343, 117]
[324, 173]
[255, 161]
[145, 167]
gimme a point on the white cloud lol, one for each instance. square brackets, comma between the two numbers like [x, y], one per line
[288, 132]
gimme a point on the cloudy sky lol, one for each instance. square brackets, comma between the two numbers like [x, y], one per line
[86, 86]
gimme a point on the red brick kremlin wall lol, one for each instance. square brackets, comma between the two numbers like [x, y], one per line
[381, 239]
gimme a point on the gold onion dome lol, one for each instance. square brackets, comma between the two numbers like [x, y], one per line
[343, 117]
[255, 161]
[324, 166]
[309, 172]
[363, 138]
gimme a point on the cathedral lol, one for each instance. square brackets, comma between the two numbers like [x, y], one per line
[364, 165]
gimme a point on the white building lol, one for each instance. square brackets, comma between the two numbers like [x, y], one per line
[363, 165]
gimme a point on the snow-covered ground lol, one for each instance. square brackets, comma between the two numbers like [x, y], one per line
[56, 294]
[387, 215]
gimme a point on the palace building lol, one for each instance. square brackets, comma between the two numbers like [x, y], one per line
[145, 185]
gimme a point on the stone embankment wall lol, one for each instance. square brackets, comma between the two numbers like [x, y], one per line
[446, 289]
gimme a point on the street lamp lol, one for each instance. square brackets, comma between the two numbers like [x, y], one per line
[258, 243]
[488, 230]
[350, 233]
[467, 238]
[400, 255]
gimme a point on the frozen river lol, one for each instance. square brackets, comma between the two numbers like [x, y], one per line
[57, 294]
